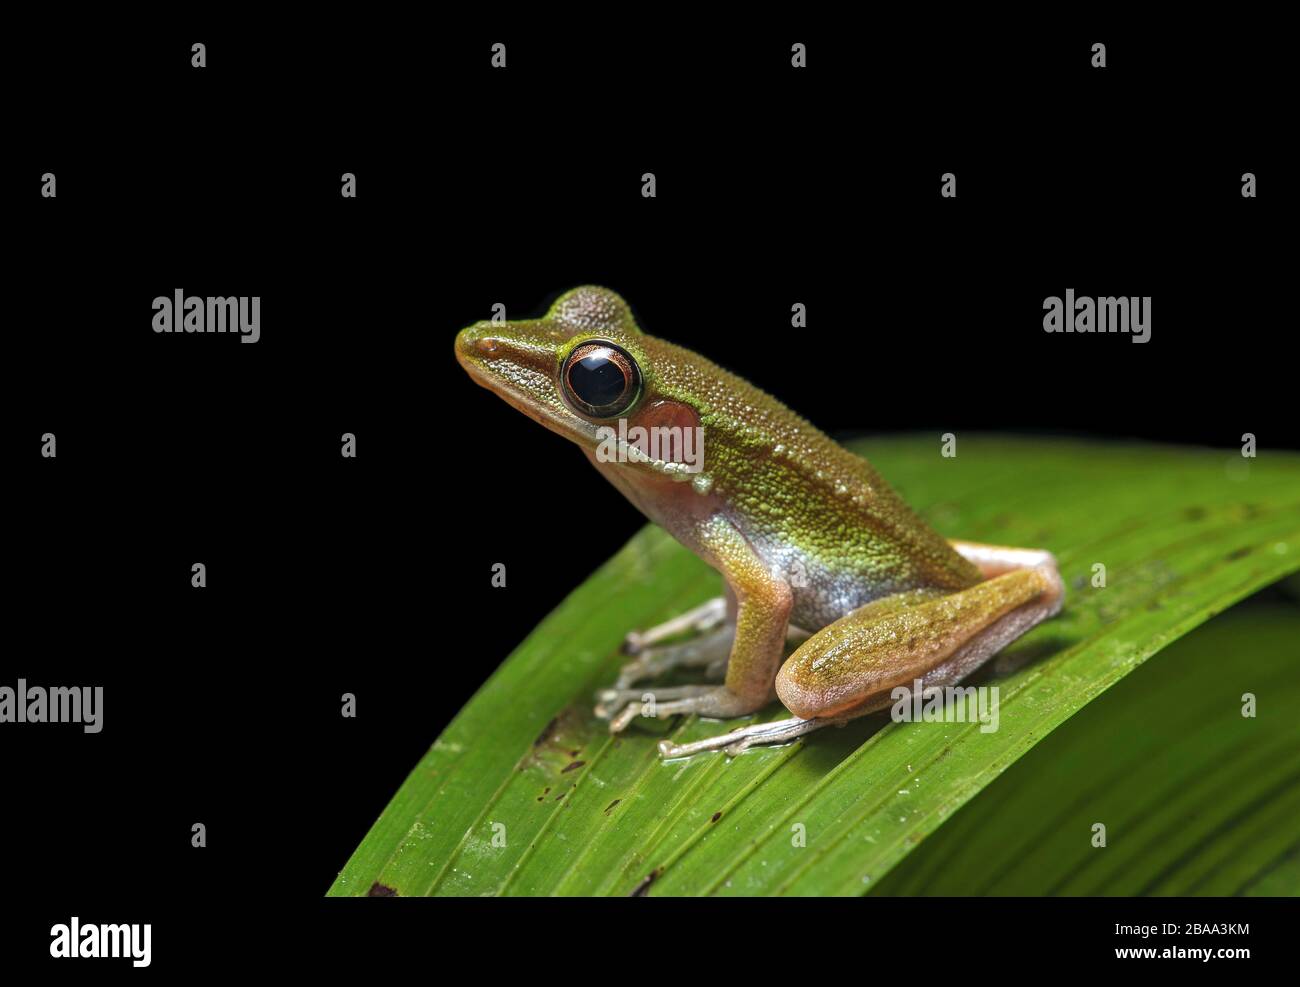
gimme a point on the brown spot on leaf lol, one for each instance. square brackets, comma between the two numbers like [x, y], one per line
[565, 731]
[547, 730]
[378, 890]
[643, 888]
[1239, 553]
[572, 765]
[716, 817]
[612, 804]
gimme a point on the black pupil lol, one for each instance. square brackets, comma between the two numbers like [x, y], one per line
[597, 380]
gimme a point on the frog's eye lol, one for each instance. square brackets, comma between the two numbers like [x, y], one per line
[600, 379]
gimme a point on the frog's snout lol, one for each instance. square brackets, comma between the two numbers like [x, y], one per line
[477, 342]
[479, 348]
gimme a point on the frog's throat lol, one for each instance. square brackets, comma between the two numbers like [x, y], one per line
[678, 472]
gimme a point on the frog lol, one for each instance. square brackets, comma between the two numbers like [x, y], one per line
[836, 593]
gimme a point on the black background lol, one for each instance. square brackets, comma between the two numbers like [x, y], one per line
[476, 186]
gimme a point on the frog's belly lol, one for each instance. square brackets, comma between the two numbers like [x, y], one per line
[823, 594]
[823, 603]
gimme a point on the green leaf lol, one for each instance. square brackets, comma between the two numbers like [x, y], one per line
[1196, 798]
[526, 793]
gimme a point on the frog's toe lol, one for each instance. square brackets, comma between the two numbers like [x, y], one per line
[743, 738]
[705, 617]
[622, 706]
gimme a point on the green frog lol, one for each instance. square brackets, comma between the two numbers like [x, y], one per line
[814, 548]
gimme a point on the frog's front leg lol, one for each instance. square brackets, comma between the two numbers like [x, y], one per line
[851, 667]
[762, 620]
[708, 651]
[713, 622]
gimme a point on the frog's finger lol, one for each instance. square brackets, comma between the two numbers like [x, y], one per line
[611, 701]
[702, 618]
[701, 652]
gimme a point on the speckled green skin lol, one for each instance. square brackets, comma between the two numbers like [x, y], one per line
[801, 497]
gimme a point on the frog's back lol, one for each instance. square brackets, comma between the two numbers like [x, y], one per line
[805, 501]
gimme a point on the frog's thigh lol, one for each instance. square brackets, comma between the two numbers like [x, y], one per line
[852, 665]
[995, 560]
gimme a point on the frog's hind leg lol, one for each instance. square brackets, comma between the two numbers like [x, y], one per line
[998, 560]
[740, 740]
[853, 666]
